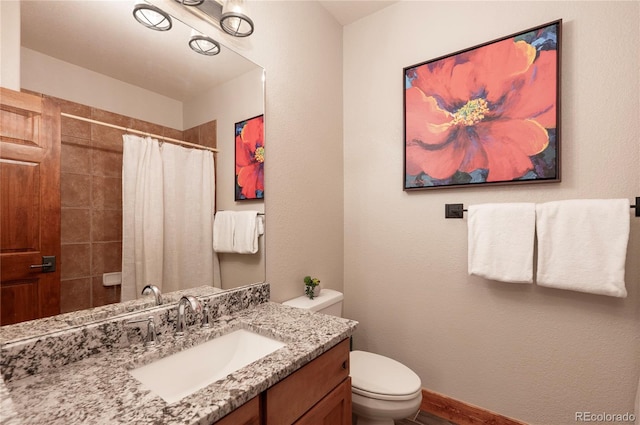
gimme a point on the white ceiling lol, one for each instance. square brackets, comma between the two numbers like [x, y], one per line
[348, 11]
[103, 36]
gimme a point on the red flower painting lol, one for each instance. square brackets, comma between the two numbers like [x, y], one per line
[485, 115]
[250, 159]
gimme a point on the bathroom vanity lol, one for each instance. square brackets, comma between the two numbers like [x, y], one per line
[82, 374]
[318, 393]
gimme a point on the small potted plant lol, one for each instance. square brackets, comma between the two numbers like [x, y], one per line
[311, 287]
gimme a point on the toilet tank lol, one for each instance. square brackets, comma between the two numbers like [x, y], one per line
[328, 302]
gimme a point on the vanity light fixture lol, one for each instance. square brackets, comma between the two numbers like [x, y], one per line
[230, 15]
[204, 45]
[190, 2]
[235, 20]
[152, 17]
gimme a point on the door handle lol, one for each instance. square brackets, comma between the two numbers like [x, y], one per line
[48, 264]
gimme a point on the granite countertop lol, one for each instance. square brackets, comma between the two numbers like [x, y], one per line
[99, 389]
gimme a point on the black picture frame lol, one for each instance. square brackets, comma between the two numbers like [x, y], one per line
[486, 115]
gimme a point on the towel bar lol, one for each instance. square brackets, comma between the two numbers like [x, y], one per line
[458, 210]
[260, 213]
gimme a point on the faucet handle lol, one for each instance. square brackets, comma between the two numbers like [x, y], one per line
[152, 336]
[205, 316]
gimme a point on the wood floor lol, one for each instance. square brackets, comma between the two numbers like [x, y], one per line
[424, 419]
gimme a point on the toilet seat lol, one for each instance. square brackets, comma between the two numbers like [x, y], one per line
[385, 397]
[379, 377]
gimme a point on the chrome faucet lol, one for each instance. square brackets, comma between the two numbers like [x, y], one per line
[156, 293]
[196, 307]
[150, 341]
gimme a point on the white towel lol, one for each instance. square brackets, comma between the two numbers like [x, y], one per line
[582, 245]
[224, 224]
[501, 240]
[245, 238]
[260, 224]
[237, 231]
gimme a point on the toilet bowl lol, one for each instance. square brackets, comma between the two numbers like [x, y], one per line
[382, 389]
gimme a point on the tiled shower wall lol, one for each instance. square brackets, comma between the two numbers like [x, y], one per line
[91, 196]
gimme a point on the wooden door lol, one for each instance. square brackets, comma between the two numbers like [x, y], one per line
[29, 206]
[334, 409]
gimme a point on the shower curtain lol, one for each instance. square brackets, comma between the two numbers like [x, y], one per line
[168, 195]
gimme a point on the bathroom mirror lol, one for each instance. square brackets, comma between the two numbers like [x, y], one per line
[102, 39]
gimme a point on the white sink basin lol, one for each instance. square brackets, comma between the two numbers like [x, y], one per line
[178, 375]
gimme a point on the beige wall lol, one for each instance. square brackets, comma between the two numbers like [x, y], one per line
[9, 44]
[87, 87]
[535, 354]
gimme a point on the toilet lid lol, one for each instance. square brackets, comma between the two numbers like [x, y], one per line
[376, 376]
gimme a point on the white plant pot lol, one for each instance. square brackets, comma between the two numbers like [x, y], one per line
[316, 291]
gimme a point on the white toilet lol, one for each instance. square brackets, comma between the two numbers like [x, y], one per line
[382, 389]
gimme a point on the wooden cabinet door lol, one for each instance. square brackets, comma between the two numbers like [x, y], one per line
[29, 206]
[247, 414]
[289, 399]
[334, 409]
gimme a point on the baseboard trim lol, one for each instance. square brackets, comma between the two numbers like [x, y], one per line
[460, 412]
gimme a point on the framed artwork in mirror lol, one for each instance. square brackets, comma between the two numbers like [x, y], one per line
[249, 180]
[486, 115]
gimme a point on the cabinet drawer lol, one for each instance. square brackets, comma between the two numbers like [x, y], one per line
[289, 399]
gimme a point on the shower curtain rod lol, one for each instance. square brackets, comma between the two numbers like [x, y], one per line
[131, 130]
